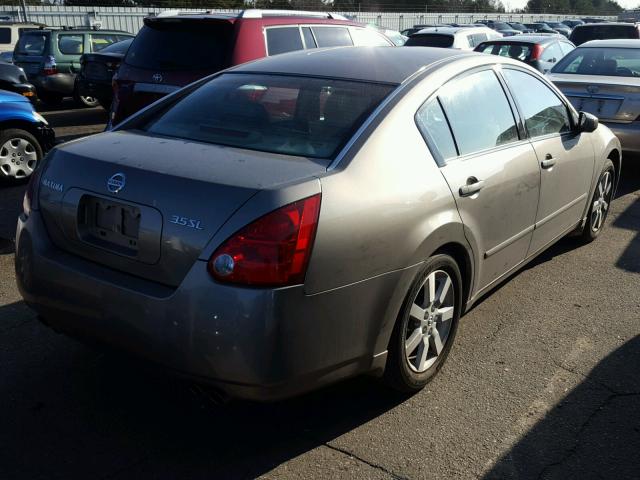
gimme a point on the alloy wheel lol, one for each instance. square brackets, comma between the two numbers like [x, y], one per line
[430, 320]
[601, 202]
[18, 158]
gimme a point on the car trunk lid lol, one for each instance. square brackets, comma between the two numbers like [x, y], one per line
[148, 205]
[611, 99]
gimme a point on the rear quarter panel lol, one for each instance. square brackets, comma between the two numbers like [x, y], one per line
[387, 208]
[605, 143]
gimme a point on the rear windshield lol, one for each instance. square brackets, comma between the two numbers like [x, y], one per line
[32, 43]
[515, 50]
[430, 40]
[118, 47]
[616, 62]
[300, 116]
[603, 32]
[181, 46]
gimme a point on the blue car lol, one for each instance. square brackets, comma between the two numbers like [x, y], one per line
[25, 136]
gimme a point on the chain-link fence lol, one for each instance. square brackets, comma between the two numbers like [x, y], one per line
[130, 18]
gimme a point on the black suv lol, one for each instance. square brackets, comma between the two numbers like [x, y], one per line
[51, 59]
[603, 31]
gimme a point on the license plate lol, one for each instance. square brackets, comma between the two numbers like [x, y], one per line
[606, 108]
[108, 223]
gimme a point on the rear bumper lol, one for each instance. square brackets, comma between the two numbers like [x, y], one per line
[628, 134]
[60, 83]
[251, 343]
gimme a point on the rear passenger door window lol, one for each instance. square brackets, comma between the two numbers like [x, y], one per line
[566, 48]
[71, 44]
[309, 41]
[368, 38]
[99, 41]
[283, 40]
[332, 36]
[543, 111]
[478, 112]
[476, 39]
[552, 53]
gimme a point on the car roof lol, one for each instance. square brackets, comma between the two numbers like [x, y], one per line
[607, 24]
[78, 30]
[452, 30]
[373, 64]
[612, 43]
[528, 39]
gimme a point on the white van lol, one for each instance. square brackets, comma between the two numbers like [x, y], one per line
[463, 38]
[9, 35]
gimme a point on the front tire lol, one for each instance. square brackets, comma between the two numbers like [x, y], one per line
[426, 327]
[600, 203]
[20, 152]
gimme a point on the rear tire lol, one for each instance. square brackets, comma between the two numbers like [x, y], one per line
[600, 203]
[426, 326]
[84, 101]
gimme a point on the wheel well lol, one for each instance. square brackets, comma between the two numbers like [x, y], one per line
[22, 125]
[614, 156]
[461, 256]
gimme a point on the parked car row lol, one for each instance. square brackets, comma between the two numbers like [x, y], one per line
[51, 59]
[125, 74]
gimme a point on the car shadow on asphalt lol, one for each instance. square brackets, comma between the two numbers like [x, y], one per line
[79, 411]
[629, 260]
[593, 432]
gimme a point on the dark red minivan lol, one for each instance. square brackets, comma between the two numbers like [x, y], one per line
[172, 51]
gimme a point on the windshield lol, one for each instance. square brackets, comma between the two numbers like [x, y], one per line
[181, 45]
[616, 62]
[517, 26]
[501, 26]
[430, 40]
[32, 43]
[299, 116]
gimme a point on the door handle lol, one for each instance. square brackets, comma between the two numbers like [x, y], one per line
[548, 161]
[473, 186]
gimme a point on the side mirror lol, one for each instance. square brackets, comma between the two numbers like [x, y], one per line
[587, 122]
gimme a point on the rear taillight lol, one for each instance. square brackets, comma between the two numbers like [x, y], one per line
[273, 250]
[49, 66]
[536, 52]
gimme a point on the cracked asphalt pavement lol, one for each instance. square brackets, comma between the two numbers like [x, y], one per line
[542, 383]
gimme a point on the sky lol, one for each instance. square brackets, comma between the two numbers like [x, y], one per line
[522, 3]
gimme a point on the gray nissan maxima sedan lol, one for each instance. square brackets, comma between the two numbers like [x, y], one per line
[311, 216]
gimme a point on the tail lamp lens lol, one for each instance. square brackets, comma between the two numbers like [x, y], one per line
[50, 67]
[272, 251]
[536, 53]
